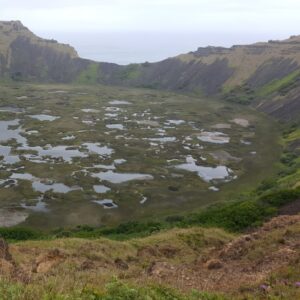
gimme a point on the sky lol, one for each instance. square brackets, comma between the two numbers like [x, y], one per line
[207, 22]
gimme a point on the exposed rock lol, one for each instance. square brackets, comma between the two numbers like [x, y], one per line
[214, 264]
[211, 50]
[121, 264]
[209, 70]
[147, 251]
[235, 249]
[272, 69]
[45, 262]
[160, 269]
[280, 222]
[292, 208]
[156, 251]
[7, 265]
[87, 265]
[4, 250]
[168, 251]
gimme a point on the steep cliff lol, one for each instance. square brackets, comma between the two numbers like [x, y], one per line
[24, 56]
[265, 75]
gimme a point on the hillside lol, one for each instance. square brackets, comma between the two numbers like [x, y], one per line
[265, 75]
[213, 69]
[260, 265]
[24, 56]
[182, 191]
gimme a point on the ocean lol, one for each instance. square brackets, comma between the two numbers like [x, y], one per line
[138, 47]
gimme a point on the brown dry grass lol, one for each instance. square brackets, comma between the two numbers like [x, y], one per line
[194, 258]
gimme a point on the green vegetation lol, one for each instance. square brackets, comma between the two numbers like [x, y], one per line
[121, 291]
[19, 234]
[281, 86]
[89, 76]
[180, 232]
[115, 290]
[83, 116]
[131, 72]
[235, 217]
[241, 94]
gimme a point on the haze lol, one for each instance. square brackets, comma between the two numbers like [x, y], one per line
[150, 30]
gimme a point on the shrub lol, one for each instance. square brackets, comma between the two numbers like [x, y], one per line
[174, 219]
[234, 217]
[19, 234]
[281, 197]
[134, 227]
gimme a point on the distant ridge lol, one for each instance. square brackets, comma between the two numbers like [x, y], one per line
[265, 75]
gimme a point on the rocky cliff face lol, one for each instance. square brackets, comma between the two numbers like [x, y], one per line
[175, 74]
[32, 61]
[215, 69]
[24, 56]
[263, 74]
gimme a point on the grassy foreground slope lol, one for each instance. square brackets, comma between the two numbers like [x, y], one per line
[192, 263]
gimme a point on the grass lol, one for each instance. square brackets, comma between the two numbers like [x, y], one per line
[114, 290]
[237, 215]
[234, 217]
[176, 225]
[131, 72]
[90, 75]
[279, 85]
[241, 94]
[166, 194]
[104, 281]
[70, 281]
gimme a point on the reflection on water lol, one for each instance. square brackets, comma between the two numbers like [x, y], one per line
[115, 126]
[106, 203]
[119, 102]
[12, 109]
[6, 133]
[90, 110]
[68, 138]
[101, 189]
[55, 187]
[39, 186]
[175, 122]
[64, 152]
[166, 139]
[12, 217]
[206, 173]
[5, 151]
[44, 117]
[213, 137]
[121, 177]
[96, 148]
[40, 206]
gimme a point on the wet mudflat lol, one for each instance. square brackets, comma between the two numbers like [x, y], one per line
[98, 155]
